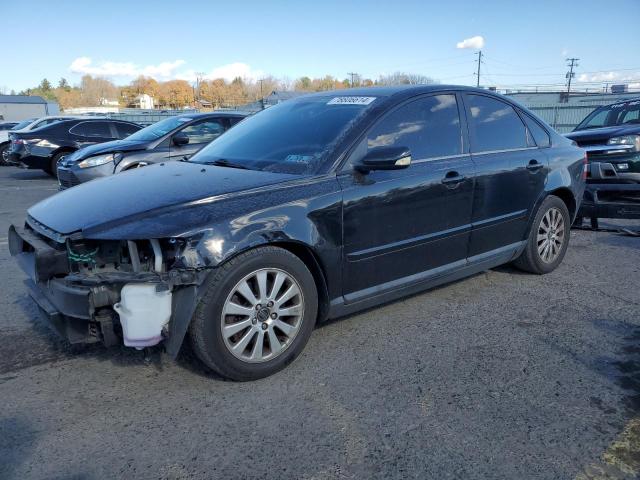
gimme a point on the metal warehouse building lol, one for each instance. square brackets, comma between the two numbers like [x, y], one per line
[22, 107]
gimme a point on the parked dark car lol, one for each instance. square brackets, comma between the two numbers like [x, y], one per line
[173, 138]
[7, 125]
[43, 147]
[315, 208]
[611, 137]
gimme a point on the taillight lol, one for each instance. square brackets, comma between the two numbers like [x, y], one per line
[585, 167]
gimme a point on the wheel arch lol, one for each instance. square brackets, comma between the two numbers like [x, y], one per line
[564, 194]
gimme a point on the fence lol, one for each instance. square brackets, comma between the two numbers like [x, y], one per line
[564, 117]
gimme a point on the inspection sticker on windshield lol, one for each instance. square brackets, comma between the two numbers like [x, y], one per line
[351, 100]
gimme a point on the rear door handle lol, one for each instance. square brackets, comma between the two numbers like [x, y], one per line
[452, 178]
[534, 166]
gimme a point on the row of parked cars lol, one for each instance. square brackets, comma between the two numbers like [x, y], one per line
[318, 207]
[79, 149]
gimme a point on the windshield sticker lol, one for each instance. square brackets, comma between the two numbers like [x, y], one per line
[351, 101]
[298, 158]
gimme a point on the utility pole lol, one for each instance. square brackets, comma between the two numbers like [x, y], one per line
[261, 95]
[571, 63]
[353, 76]
[479, 62]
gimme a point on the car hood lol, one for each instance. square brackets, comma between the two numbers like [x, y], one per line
[144, 193]
[106, 147]
[603, 134]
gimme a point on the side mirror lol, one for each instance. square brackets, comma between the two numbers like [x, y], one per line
[385, 158]
[180, 139]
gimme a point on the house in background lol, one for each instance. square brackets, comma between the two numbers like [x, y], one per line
[22, 107]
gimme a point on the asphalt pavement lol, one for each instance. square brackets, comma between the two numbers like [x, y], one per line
[504, 375]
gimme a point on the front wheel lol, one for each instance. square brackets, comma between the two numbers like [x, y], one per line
[548, 239]
[52, 169]
[256, 315]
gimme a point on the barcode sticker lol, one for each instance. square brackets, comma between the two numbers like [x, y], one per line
[351, 101]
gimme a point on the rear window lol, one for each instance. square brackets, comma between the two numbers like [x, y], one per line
[92, 129]
[126, 129]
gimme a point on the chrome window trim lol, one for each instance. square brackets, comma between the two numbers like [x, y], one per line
[489, 152]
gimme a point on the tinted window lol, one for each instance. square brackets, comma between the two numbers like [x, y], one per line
[204, 131]
[630, 115]
[539, 134]
[494, 125]
[92, 129]
[126, 129]
[430, 127]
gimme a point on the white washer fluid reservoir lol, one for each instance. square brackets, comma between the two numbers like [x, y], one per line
[143, 313]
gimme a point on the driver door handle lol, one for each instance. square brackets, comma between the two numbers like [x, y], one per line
[452, 178]
[534, 165]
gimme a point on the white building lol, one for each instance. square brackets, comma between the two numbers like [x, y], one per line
[144, 102]
[23, 107]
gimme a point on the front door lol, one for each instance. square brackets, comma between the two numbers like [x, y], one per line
[399, 225]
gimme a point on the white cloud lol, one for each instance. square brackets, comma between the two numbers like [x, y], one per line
[608, 77]
[564, 52]
[473, 42]
[84, 65]
[162, 71]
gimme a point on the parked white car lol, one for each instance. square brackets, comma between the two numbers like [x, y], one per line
[26, 125]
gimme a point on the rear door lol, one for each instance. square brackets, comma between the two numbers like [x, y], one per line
[510, 173]
[89, 133]
[200, 133]
[399, 224]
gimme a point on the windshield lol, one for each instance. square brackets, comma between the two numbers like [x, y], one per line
[292, 137]
[22, 124]
[612, 115]
[159, 129]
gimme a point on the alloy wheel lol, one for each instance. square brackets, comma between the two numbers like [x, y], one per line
[262, 315]
[551, 235]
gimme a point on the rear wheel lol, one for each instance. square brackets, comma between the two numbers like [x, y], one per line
[256, 315]
[549, 238]
[4, 154]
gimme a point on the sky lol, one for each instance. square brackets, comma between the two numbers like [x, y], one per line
[522, 42]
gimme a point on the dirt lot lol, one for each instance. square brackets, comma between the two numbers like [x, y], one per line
[503, 375]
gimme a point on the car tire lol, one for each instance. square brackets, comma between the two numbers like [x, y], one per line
[243, 338]
[4, 149]
[548, 239]
[53, 166]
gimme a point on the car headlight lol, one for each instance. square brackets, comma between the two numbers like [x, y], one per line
[98, 160]
[631, 140]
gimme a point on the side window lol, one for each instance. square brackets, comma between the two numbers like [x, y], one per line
[204, 131]
[630, 115]
[430, 127]
[126, 129]
[539, 134]
[92, 129]
[494, 125]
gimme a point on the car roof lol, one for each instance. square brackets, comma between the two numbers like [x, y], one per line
[396, 90]
[215, 113]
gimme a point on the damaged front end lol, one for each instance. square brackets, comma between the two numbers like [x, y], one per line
[139, 292]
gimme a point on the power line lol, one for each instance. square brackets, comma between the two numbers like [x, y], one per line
[573, 63]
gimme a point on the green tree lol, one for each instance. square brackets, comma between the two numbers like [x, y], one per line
[63, 84]
[45, 85]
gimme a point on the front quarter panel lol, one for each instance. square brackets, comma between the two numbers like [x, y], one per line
[306, 212]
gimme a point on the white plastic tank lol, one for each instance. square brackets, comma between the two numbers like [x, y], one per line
[143, 313]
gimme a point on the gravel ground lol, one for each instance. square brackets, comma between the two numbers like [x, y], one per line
[502, 375]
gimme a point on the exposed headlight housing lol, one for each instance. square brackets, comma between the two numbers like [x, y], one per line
[99, 160]
[632, 141]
